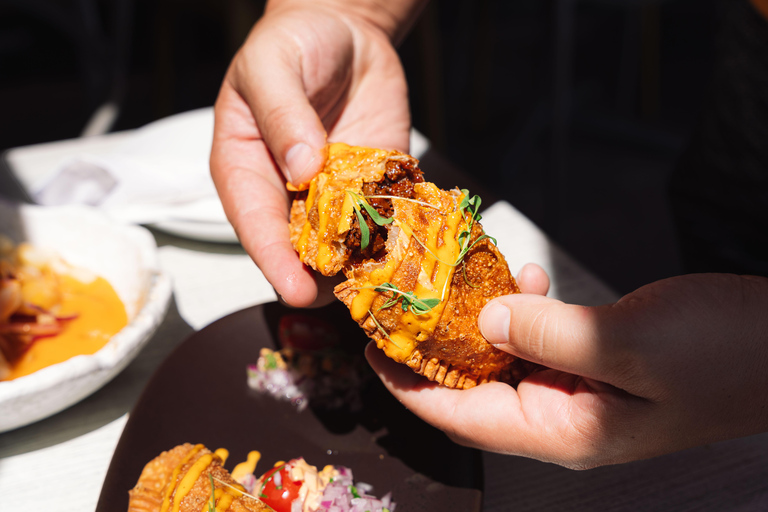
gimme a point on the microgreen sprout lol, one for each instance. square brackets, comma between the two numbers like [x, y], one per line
[468, 248]
[408, 300]
[466, 279]
[358, 203]
[222, 482]
[422, 203]
[212, 503]
[365, 234]
[470, 210]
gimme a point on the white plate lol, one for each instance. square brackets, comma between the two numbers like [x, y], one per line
[126, 257]
[217, 232]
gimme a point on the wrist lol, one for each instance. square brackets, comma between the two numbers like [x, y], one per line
[394, 18]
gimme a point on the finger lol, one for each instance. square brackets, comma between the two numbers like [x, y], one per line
[270, 76]
[255, 200]
[582, 340]
[533, 279]
[536, 422]
[451, 410]
[325, 286]
[262, 228]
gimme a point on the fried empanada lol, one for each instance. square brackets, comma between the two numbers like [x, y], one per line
[419, 267]
[178, 480]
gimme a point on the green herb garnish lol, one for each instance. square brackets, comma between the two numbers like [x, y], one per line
[354, 492]
[408, 300]
[358, 203]
[365, 234]
[465, 250]
[470, 210]
[240, 491]
[466, 279]
[416, 201]
[467, 206]
[376, 216]
[271, 361]
[212, 503]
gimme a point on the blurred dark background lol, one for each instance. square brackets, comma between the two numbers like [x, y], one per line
[574, 111]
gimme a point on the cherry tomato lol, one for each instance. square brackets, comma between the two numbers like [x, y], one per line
[279, 497]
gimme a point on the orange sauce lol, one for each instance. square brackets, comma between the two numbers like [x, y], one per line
[100, 315]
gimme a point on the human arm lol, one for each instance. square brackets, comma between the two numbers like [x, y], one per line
[678, 363]
[309, 70]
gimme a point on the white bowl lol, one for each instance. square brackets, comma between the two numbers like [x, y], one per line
[126, 257]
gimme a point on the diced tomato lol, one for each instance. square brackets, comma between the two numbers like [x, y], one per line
[279, 497]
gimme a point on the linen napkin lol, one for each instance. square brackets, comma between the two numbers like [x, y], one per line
[160, 174]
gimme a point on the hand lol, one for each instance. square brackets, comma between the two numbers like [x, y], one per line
[304, 69]
[678, 363]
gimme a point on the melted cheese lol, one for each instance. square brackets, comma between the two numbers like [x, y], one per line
[100, 315]
[346, 168]
[325, 251]
[167, 498]
[439, 238]
[347, 208]
[189, 479]
[224, 500]
[362, 302]
[302, 244]
[413, 328]
[223, 454]
[247, 467]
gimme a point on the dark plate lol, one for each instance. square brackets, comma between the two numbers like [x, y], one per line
[200, 395]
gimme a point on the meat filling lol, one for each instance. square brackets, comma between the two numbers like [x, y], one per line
[399, 179]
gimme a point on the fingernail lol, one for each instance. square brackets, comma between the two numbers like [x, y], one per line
[297, 161]
[494, 323]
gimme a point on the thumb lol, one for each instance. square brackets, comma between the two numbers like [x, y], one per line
[575, 339]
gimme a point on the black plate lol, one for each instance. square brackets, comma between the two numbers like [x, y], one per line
[200, 395]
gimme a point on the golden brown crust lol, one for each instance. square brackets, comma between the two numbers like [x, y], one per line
[160, 483]
[455, 354]
[445, 344]
[147, 495]
[344, 170]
